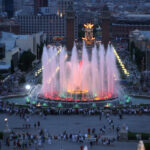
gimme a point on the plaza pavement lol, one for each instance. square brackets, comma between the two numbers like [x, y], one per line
[56, 124]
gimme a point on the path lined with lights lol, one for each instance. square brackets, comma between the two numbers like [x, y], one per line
[40, 70]
[121, 64]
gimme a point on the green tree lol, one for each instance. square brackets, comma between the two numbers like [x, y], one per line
[139, 55]
[22, 79]
[26, 60]
[80, 32]
[132, 47]
[41, 50]
[94, 30]
[12, 66]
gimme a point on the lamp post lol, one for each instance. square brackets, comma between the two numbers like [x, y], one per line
[28, 88]
[147, 48]
[7, 130]
[6, 123]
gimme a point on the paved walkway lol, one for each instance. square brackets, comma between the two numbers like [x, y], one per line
[75, 123]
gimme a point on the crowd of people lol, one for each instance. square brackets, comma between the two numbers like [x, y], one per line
[24, 139]
[93, 136]
[10, 108]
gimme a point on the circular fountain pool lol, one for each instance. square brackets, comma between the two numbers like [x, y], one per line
[23, 101]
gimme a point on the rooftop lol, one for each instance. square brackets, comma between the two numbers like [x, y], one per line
[146, 34]
[142, 16]
[4, 66]
[9, 39]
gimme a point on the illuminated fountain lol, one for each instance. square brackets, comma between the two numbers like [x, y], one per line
[91, 78]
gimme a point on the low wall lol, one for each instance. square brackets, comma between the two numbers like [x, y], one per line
[140, 96]
[13, 96]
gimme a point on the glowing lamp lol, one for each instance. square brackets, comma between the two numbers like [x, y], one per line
[27, 100]
[120, 102]
[38, 105]
[45, 105]
[28, 87]
[97, 98]
[33, 102]
[59, 105]
[76, 106]
[94, 105]
[6, 119]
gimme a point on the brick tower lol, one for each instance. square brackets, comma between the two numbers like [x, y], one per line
[105, 26]
[70, 21]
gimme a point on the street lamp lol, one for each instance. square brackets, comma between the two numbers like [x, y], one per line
[6, 125]
[7, 131]
[6, 121]
[147, 50]
[28, 87]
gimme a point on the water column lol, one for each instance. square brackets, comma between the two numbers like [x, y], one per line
[49, 52]
[85, 72]
[112, 65]
[45, 73]
[116, 73]
[101, 70]
[54, 67]
[94, 69]
[111, 70]
[74, 78]
[62, 73]
[108, 70]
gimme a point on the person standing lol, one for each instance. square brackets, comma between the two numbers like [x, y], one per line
[34, 125]
[0, 145]
[38, 124]
[81, 147]
[89, 130]
[100, 115]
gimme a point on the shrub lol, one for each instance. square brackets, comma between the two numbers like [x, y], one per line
[1, 135]
[26, 59]
[147, 146]
[132, 136]
[145, 136]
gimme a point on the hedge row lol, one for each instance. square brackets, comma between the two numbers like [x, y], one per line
[132, 136]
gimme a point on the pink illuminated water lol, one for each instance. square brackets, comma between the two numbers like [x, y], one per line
[91, 78]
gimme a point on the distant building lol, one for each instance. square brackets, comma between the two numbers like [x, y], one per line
[1, 6]
[28, 8]
[48, 10]
[123, 25]
[11, 45]
[9, 7]
[9, 26]
[53, 25]
[38, 4]
[18, 4]
[30, 42]
[62, 6]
